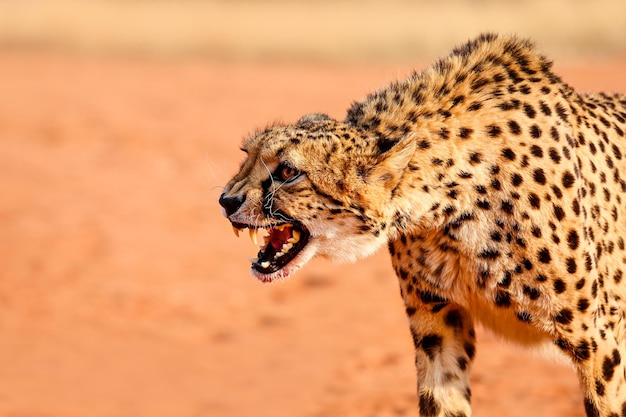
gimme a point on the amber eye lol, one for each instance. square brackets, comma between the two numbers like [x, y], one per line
[286, 173]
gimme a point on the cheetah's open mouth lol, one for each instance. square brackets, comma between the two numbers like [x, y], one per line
[281, 245]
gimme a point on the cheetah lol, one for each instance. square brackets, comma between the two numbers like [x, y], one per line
[498, 190]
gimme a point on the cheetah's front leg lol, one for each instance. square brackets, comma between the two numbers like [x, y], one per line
[444, 339]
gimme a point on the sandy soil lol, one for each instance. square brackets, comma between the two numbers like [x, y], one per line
[124, 293]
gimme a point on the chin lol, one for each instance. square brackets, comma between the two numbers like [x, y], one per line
[338, 250]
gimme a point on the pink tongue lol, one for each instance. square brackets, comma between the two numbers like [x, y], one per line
[279, 237]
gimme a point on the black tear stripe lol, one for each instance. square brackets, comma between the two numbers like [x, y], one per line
[329, 197]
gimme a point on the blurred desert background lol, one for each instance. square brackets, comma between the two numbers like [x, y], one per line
[124, 293]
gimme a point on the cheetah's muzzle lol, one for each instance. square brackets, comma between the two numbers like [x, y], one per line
[280, 246]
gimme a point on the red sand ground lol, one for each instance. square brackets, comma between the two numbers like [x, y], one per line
[123, 291]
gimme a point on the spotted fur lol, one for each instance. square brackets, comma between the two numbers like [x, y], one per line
[499, 192]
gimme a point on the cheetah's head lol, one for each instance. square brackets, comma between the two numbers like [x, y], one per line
[318, 187]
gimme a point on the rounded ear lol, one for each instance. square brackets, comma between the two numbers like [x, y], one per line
[393, 158]
[313, 117]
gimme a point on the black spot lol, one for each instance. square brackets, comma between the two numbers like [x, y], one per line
[568, 179]
[554, 133]
[544, 256]
[507, 207]
[572, 239]
[608, 368]
[503, 298]
[453, 319]
[564, 316]
[535, 132]
[410, 311]
[457, 100]
[514, 127]
[495, 184]
[594, 289]
[534, 200]
[539, 176]
[532, 293]
[508, 154]
[431, 344]
[470, 350]
[559, 286]
[545, 109]
[489, 254]
[527, 264]
[554, 155]
[583, 304]
[581, 352]
[523, 316]
[423, 144]
[475, 106]
[536, 231]
[561, 112]
[536, 151]
[494, 131]
[529, 110]
[616, 152]
[429, 297]
[576, 207]
[571, 265]
[559, 213]
[475, 158]
[481, 189]
[590, 408]
[384, 144]
[617, 358]
[617, 278]
[599, 388]
[483, 204]
[465, 132]
[428, 405]
[478, 83]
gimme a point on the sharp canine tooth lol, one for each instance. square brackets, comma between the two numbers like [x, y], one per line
[236, 231]
[265, 264]
[296, 235]
[253, 235]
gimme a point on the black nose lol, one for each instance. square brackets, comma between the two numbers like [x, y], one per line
[231, 204]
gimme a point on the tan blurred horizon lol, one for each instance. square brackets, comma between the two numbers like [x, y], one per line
[321, 30]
